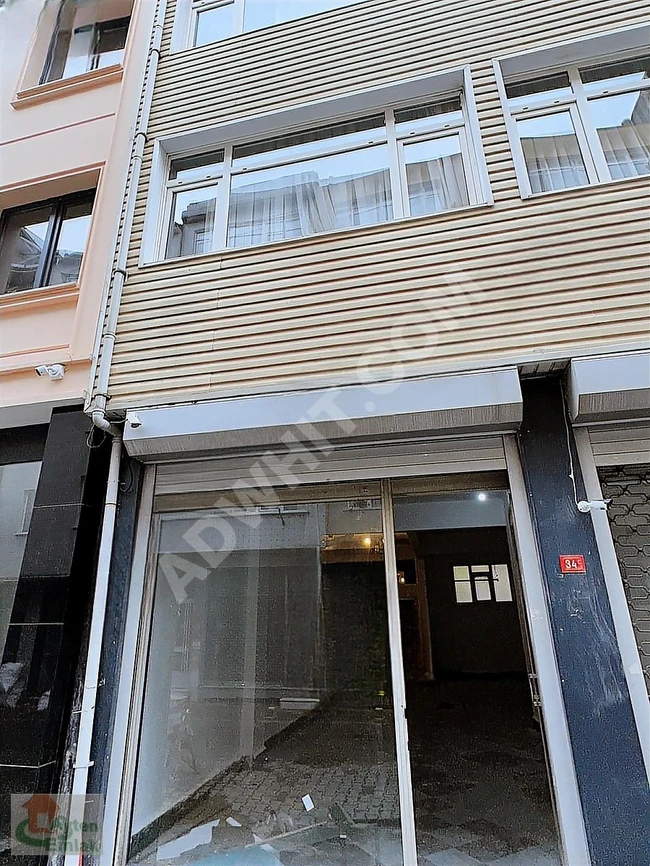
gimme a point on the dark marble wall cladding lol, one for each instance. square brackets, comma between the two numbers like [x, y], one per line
[607, 752]
[130, 489]
[53, 599]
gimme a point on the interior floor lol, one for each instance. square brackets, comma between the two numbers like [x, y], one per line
[479, 781]
[479, 776]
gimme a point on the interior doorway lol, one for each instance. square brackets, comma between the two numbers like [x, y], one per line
[480, 786]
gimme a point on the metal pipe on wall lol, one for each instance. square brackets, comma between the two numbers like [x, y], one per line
[82, 762]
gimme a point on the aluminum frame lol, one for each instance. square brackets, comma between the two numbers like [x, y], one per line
[121, 786]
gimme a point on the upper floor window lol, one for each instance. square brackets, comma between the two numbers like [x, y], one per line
[43, 244]
[89, 34]
[399, 162]
[582, 124]
[212, 20]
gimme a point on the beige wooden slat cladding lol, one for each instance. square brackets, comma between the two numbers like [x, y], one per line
[555, 275]
[616, 445]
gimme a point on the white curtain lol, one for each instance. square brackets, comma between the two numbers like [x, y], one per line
[303, 204]
[553, 162]
[437, 185]
[627, 145]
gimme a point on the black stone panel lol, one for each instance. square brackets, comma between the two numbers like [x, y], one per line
[609, 765]
[51, 541]
[53, 602]
[22, 444]
[41, 599]
[30, 664]
[63, 476]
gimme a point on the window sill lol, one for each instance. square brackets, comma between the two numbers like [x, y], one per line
[39, 297]
[532, 196]
[66, 86]
[295, 242]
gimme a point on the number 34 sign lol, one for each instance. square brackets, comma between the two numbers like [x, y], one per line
[572, 563]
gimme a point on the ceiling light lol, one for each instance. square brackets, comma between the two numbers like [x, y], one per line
[481, 497]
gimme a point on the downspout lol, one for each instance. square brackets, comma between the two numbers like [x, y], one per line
[97, 409]
[83, 762]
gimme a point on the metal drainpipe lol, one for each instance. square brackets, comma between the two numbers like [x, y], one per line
[97, 413]
[114, 296]
[82, 762]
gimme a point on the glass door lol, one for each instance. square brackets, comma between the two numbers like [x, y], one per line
[272, 730]
[480, 786]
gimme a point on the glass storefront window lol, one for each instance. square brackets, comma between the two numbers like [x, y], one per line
[267, 734]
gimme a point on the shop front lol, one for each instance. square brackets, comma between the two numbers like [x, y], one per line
[356, 654]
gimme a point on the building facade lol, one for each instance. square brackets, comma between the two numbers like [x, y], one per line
[65, 107]
[375, 338]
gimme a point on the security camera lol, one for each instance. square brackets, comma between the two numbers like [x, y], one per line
[54, 371]
[134, 421]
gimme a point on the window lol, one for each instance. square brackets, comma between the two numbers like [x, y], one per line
[400, 162]
[43, 244]
[212, 20]
[583, 124]
[87, 36]
[482, 583]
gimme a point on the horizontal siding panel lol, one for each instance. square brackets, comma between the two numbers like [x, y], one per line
[234, 287]
[555, 274]
[370, 48]
[484, 453]
[614, 445]
[376, 334]
[546, 218]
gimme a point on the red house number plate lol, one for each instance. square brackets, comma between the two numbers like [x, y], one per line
[572, 564]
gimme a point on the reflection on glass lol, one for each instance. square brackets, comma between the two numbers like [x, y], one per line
[264, 13]
[551, 152]
[318, 195]
[214, 24]
[17, 486]
[267, 733]
[110, 39]
[419, 118]
[69, 251]
[192, 225]
[435, 175]
[621, 73]
[79, 51]
[22, 248]
[199, 167]
[623, 124]
[536, 91]
[294, 146]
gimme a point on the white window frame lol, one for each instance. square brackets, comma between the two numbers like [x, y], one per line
[159, 205]
[587, 53]
[187, 12]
